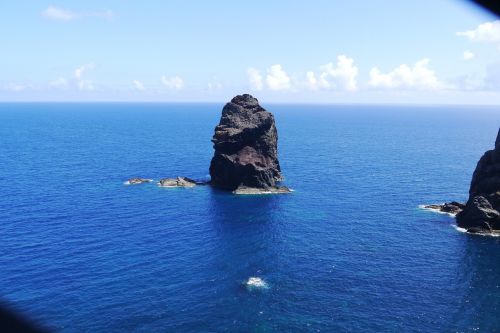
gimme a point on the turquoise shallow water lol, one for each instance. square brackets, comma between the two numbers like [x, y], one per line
[349, 250]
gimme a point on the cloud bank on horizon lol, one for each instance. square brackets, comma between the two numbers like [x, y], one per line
[90, 53]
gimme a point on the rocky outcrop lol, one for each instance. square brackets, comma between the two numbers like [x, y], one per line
[246, 148]
[135, 181]
[177, 182]
[451, 208]
[270, 190]
[482, 210]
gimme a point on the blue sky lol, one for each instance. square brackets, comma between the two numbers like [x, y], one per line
[382, 51]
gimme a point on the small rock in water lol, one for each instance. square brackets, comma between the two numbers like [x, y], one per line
[177, 182]
[270, 190]
[452, 208]
[135, 181]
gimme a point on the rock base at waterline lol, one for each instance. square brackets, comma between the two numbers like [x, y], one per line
[177, 182]
[244, 190]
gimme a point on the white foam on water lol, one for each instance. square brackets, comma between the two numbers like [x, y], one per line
[457, 228]
[256, 282]
[126, 183]
[486, 234]
[434, 210]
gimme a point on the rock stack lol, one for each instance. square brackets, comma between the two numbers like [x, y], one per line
[246, 149]
[482, 210]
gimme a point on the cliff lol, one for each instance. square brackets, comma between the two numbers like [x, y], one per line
[482, 210]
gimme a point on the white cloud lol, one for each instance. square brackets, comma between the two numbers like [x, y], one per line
[469, 82]
[311, 81]
[78, 80]
[60, 14]
[138, 85]
[82, 83]
[60, 82]
[255, 79]
[342, 76]
[419, 76]
[489, 82]
[492, 78]
[82, 69]
[339, 76]
[17, 87]
[85, 85]
[173, 83]
[214, 84]
[277, 78]
[55, 13]
[486, 32]
[468, 55]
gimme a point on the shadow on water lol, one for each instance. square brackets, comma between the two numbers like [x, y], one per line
[250, 243]
[479, 279]
[248, 227]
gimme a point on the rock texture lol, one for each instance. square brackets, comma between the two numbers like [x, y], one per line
[177, 182]
[482, 210]
[451, 208]
[270, 190]
[135, 181]
[246, 148]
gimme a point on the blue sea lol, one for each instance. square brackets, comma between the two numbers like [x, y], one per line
[348, 251]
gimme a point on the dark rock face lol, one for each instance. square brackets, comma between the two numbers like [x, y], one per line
[245, 143]
[452, 208]
[481, 212]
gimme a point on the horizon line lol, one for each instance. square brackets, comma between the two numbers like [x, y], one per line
[272, 103]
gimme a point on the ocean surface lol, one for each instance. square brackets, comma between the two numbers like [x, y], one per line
[348, 251]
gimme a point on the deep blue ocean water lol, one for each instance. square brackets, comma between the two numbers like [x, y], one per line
[348, 251]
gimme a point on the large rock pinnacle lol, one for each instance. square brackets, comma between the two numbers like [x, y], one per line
[482, 211]
[246, 151]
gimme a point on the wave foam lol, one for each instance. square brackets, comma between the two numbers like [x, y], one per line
[487, 234]
[256, 282]
[457, 228]
[434, 210]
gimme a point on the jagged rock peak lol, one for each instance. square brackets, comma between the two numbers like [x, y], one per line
[246, 101]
